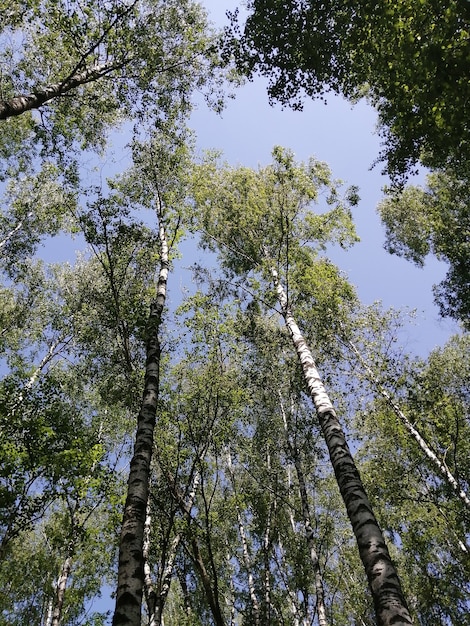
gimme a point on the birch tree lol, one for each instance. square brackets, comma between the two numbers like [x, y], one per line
[424, 518]
[156, 173]
[258, 223]
[407, 58]
[85, 67]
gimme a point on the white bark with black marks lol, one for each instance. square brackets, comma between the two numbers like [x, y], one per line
[438, 464]
[389, 602]
[131, 558]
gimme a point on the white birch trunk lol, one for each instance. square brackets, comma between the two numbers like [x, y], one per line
[289, 489]
[51, 353]
[165, 580]
[229, 599]
[309, 534]
[60, 591]
[12, 233]
[267, 548]
[246, 555]
[26, 102]
[390, 605]
[438, 464]
[149, 591]
[131, 562]
[48, 618]
[292, 596]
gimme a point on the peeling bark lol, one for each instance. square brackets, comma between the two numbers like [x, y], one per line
[389, 602]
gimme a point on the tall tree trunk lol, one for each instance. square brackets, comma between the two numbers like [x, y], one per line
[309, 534]
[131, 559]
[266, 551]
[192, 549]
[389, 601]
[60, 591]
[164, 584]
[246, 555]
[438, 464]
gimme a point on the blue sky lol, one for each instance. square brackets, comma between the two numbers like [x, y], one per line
[343, 136]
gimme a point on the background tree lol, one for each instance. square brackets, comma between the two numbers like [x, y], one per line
[431, 538]
[434, 219]
[109, 63]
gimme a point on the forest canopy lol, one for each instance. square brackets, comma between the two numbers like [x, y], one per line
[256, 447]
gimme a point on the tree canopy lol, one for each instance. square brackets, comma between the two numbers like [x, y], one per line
[434, 219]
[247, 446]
[410, 59]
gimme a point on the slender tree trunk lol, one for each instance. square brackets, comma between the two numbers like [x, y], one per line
[389, 601]
[266, 549]
[157, 618]
[60, 591]
[12, 232]
[196, 556]
[165, 579]
[48, 618]
[212, 597]
[246, 555]
[131, 559]
[186, 597]
[149, 591]
[278, 556]
[438, 464]
[319, 590]
[309, 534]
[229, 602]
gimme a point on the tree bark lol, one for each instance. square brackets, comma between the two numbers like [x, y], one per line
[131, 559]
[149, 591]
[60, 591]
[26, 102]
[309, 534]
[389, 602]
